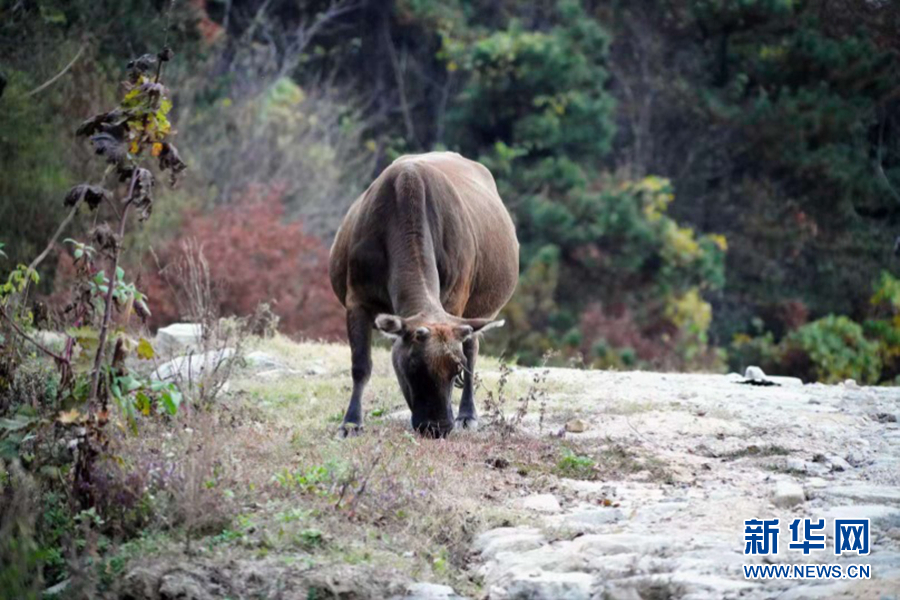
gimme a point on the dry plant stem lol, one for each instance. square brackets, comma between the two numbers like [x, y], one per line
[62, 226]
[40, 257]
[52, 80]
[108, 302]
[24, 335]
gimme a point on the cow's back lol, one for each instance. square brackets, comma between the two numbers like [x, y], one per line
[472, 237]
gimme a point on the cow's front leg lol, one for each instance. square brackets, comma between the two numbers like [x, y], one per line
[359, 332]
[467, 417]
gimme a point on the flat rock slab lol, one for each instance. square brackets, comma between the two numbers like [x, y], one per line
[429, 591]
[788, 494]
[192, 368]
[542, 503]
[508, 539]
[681, 461]
[588, 519]
[865, 493]
[542, 584]
[178, 338]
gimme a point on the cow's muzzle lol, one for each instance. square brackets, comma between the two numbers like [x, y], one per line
[432, 429]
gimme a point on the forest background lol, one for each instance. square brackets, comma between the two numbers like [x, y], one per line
[696, 184]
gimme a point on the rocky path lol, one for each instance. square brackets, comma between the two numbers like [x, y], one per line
[715, 453]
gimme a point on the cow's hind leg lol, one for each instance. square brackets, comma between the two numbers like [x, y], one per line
[359, 332]
[467, 417]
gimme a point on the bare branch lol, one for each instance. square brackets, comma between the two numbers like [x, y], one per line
[24, 335]
[53, 79]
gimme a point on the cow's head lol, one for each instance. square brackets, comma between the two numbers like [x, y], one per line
[428, 357]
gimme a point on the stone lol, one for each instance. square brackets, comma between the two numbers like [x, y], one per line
[543, 503]
[861, 511]
[850, 383]
[620, 543]
[690, 581]
[177, 338]
[620, 590]
[785, 381]
[865, 493]
[56, 592]
[193, 367]
[787, 494]
[430, 591]
[51, 340]
[508, 539]
[315, 370]
[577, 426]
[754, 374]
[273, 374]
[543, 585]
[263, 361]
[591, 518]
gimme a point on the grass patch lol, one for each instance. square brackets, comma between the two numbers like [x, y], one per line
[612, 461]
[386, 506]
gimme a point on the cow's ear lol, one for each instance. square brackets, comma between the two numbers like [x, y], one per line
[390, 325]
[482, 325]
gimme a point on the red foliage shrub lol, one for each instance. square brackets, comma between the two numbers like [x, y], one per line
[618, 329]
[254, 256]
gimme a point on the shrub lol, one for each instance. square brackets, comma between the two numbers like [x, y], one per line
[759, 351]
[255, 257]
[884, 327]
[605, 332]
[830, 350]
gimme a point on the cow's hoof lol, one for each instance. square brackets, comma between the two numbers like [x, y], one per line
[350, 430]
[466, 422]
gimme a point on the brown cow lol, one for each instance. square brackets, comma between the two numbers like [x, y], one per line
[427, 255]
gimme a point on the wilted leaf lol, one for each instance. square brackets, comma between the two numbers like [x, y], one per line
[101, 121]
[142, 64]
[170, 159]
[154, 89]
[156, 149]
[142, 195]
[92, 194]
[113, 148]
[69, 416]
[145, 350]
[105, 238]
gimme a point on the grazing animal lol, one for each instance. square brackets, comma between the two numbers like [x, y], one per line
[428, 255]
